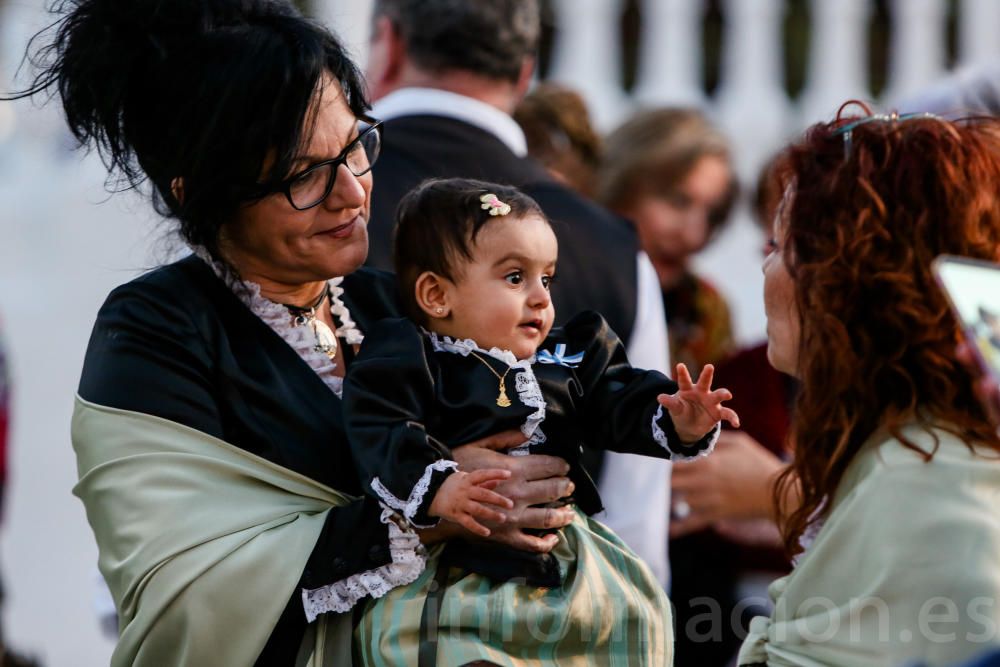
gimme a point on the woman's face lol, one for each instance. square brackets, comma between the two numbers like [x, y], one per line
[674, 227]
[272, 242]
[779, 301]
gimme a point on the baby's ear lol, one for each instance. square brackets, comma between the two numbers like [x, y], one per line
[432, 293]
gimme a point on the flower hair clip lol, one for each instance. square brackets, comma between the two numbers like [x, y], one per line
[494, 205]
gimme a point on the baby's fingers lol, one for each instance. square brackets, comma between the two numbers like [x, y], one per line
[484, 512]
[722, 394]
[730, 416]
[471, 525]
[706, 377]
[683, 377]
[487, 475]
[479, 494]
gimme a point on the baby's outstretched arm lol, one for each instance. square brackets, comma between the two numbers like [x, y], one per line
[696, 408]
[466, 496]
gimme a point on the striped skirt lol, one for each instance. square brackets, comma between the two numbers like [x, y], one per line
[609, 611]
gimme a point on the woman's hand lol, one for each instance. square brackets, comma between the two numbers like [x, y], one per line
[534, 479]
[695, 409]
[735, 482]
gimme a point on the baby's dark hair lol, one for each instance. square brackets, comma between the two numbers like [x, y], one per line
[436, 228]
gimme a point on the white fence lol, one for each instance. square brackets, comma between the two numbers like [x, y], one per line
[64, 245]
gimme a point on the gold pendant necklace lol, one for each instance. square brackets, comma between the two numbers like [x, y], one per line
[502, 399]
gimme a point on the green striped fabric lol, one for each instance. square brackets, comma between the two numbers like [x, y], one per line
[610, 611]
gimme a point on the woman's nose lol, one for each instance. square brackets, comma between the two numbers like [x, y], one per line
[348, 190]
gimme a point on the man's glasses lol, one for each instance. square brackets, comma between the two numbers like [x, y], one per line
[310, 187]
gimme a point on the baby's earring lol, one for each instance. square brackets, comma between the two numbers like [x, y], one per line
[439, 310]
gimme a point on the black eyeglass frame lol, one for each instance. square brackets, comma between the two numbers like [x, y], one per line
[285, 186]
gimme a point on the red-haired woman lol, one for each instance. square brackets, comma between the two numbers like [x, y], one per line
[896, 463]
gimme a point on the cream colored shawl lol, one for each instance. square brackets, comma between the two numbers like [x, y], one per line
[907, 565]
[201, 542]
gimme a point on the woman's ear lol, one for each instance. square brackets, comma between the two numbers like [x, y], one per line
[433, 295]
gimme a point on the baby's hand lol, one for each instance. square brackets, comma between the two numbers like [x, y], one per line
[465, 496]
[695, 408]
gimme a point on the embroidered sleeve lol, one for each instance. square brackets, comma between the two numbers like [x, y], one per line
[619, 409]
[408, 561]
[678, 451]
[414, 508]
[388, 395]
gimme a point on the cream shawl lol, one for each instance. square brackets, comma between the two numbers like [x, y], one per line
[906, 565]
[201, 542]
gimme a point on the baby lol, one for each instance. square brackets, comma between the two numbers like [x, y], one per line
[478, 355]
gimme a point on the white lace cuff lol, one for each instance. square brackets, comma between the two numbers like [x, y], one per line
[409, 507]
[408, 561]
[697, 450]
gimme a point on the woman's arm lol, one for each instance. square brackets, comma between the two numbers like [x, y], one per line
[735, 482]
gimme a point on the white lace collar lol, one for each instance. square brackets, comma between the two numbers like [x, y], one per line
[276, 316]
[464, 346]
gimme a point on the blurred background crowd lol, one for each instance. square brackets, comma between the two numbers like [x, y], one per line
[664, 111]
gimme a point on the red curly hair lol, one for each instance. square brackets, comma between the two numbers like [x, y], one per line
[869, 207]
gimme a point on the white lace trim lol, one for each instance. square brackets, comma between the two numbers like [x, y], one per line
[411, 505]
[525, 383]
[277, 317]
[809, 535]
[408, 555]
[661, 438]
[408, 561]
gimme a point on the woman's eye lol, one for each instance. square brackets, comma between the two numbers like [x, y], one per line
[771, 245]
[514, 278]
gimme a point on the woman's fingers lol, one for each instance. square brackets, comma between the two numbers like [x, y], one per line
[537, 467]
[500, 441]
[546, 518]
[543, 490]
[533, 543]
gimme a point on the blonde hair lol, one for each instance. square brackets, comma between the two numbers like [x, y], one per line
[653, 152]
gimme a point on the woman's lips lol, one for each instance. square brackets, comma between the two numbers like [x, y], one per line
[342, 231]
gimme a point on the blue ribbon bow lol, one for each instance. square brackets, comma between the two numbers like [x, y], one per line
[559, 357]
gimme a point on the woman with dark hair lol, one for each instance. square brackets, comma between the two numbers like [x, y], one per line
[898, 468]
[213, 462]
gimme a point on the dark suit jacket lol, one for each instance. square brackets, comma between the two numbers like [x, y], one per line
[597, 250]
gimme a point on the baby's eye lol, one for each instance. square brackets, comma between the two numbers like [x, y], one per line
[547, 281]
[514, 278]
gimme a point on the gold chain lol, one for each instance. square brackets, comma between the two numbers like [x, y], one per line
[502, 399]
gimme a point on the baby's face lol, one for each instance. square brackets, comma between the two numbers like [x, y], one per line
[501, 298]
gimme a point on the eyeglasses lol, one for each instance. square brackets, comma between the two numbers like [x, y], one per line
[310, 187]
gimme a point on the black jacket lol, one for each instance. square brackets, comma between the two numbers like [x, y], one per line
[176, 343]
